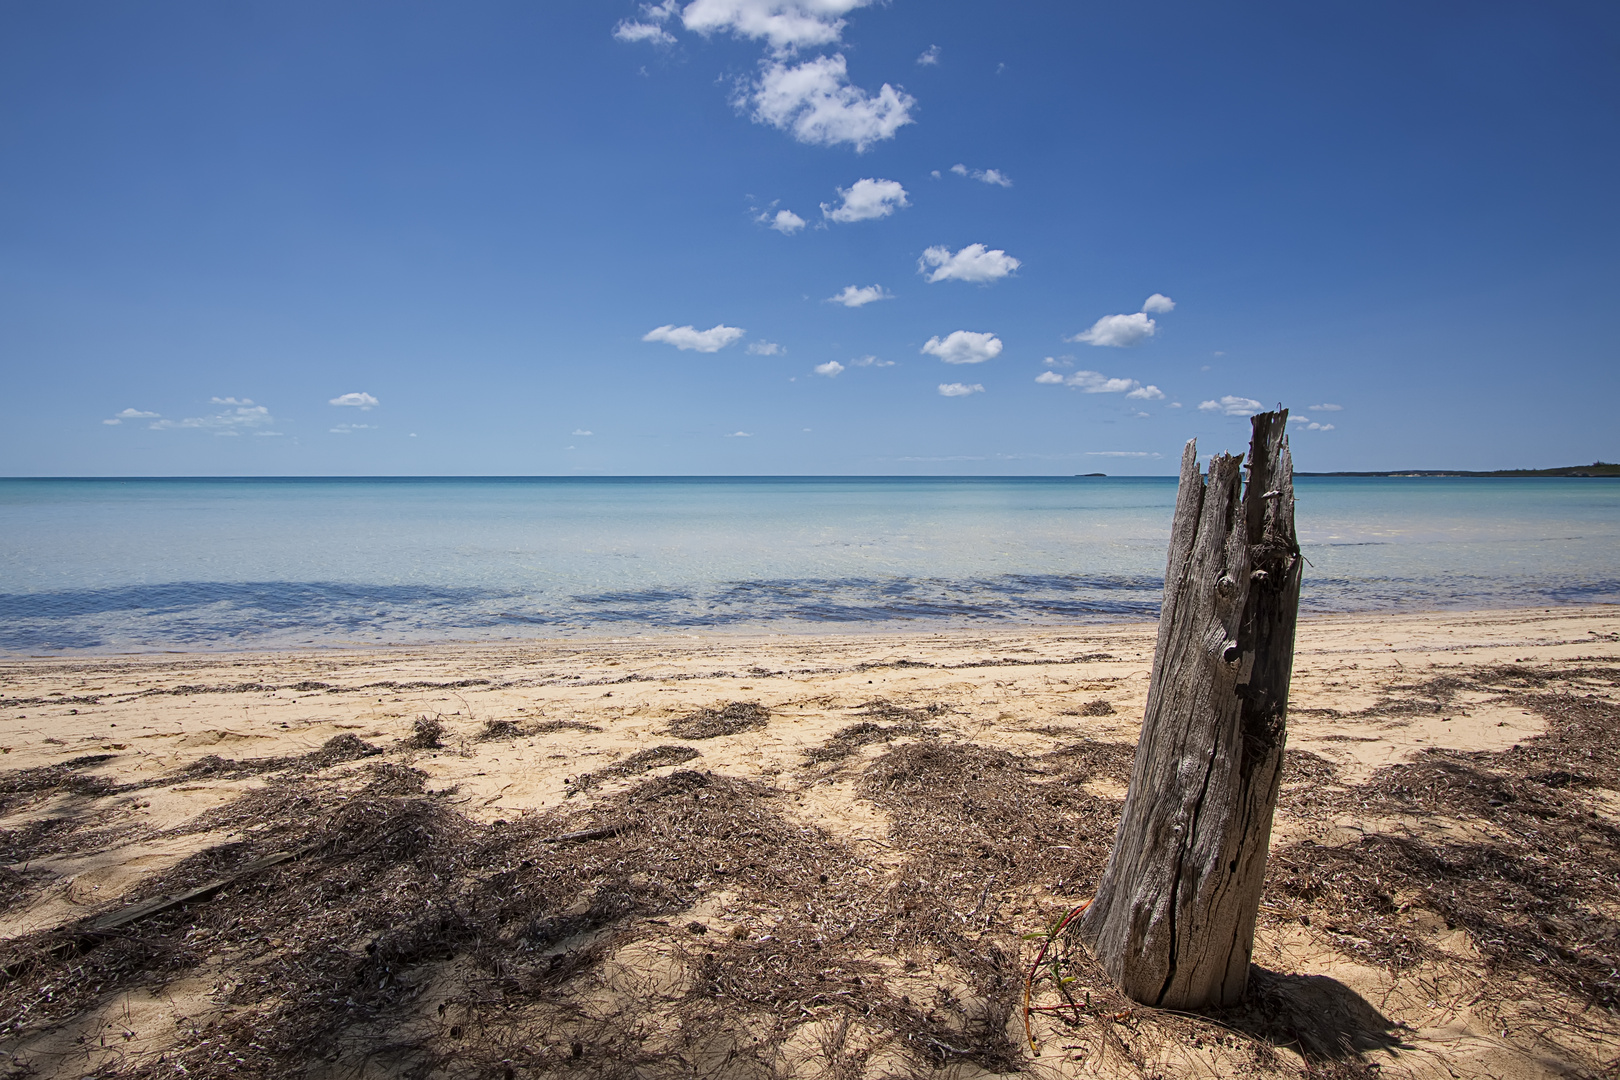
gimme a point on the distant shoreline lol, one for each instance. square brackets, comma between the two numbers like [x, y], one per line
[1597, 470]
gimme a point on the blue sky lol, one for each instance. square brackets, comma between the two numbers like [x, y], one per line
[501, 238]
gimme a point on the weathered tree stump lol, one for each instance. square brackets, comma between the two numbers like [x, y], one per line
[1173, 919]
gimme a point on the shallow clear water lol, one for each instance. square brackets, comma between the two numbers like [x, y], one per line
[189, 564]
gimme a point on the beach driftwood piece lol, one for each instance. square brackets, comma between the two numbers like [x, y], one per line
[1173, 919]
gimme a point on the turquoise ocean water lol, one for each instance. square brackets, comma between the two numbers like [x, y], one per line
[135, 565]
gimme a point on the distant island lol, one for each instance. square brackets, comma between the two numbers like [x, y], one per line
[1597, 468]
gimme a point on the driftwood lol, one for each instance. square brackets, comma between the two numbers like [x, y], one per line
[1173, 919]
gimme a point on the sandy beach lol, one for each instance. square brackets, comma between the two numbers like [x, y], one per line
[699, 854]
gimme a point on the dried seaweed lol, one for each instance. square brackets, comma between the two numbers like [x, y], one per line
[733, 718]
[642, 761]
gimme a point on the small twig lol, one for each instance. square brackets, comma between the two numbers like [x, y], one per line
[585, 834]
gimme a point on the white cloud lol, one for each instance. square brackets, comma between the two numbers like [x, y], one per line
[581, 431]
[784, 24]
[829, 369]
[1121, 453]
[1311, 426]
[765, 348]
[934, 174]
[785, 222]
[243, 414]
[1174, 405]
[739, 435]
[1313, 408]
[956, 389]
[973, 263]
[131, 414]
[930, 56]
[1232, 406]
[689, 338]
[359, 400]
[640, 31]
[1095, 382]
[1158, 304]
[349, 429]
[815, 103]
[1059, 361]
[857, 296]
[871, 361]
[1120, 331]
[987, 176]
[964, 347]
[867, 199]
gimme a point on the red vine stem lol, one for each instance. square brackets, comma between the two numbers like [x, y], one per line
[1034, 969]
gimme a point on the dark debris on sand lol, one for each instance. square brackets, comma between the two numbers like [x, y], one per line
[733, 718]
[1536, 890]
[637, 764]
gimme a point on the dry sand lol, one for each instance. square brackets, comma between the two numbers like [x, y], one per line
[132, 776]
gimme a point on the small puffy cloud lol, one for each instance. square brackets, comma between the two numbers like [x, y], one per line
[690, 339]
[1310, 426]
[1158, 304]
[1313, 408]
[581, 431]
[859, 296]
[964, 347]
[1059, 361]
[1095, 382]
[131, 414]
[785, 222]
[934, 174]
[229, 401]
[871, 361]
[829, 369]
[783, 24]
[930, 56]
[986, 176]
[1119, 331]
[1232, 406]
[739, 435]
[956, 389]
[867, 199]
[973, 264]
[815, 103]
[358, 400]
[765, 348]
[640, 31]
